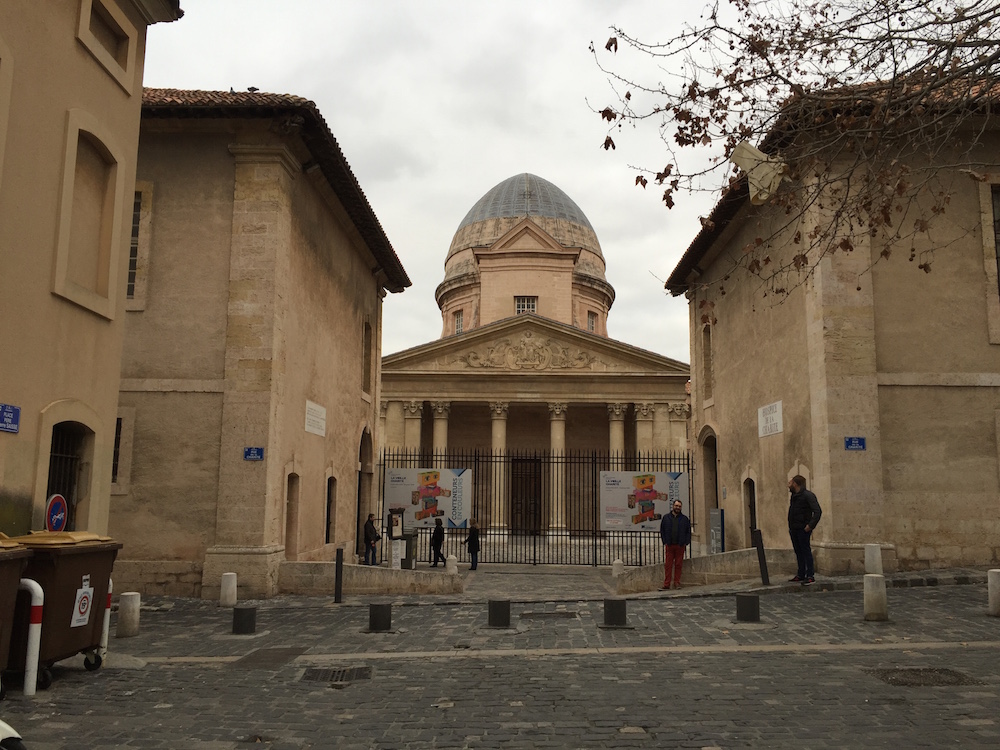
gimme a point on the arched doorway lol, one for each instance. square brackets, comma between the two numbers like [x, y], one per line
[71, 443]
[365, 501]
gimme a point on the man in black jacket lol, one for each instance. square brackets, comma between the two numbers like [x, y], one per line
[371, 537]
[803, 515]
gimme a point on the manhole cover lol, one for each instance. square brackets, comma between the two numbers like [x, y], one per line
[921, 677]
[268, 658]
[561, 615]
[337, 674]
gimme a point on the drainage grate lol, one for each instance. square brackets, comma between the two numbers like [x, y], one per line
[268, 658]
[560, 615]
[340, 674]
[922, 677]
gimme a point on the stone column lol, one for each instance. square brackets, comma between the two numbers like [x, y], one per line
[440, 410]
[679, 414]
[616, 434]
[557, 449]
[498, 418]
[412, 412]
[644, 413]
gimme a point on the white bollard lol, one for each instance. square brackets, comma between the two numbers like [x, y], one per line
[103, 651]
[993, 584]
[873, 558]
[876, 602]
[227, 592]
[617, 568]
[34, 634]
[451, 565]
[128, 615]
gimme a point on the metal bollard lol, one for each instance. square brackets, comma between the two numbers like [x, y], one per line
[876, 602]
[747, 608]
[499, 613]
[873, 558]
[993, 585]
[379, 618]
[34, 634]
[128, 615]
[244, 619]
[106, 628]
[338, 579]
[615, 613]
[227, 591]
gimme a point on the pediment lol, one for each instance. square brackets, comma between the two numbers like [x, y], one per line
[530, 344]
[526, 236]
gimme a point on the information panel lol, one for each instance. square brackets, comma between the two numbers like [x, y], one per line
[426, 494]
[636, 501]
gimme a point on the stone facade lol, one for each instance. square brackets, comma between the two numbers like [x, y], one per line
[250, 373]
[862, 348]
[70, 96]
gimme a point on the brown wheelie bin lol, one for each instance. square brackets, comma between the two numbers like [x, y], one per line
[13, 558]
[74, 569]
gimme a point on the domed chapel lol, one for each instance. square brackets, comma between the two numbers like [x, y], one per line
[524, 366]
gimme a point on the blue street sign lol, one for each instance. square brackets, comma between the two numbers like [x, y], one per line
[253, 454]
[854, 444]
[10, 418]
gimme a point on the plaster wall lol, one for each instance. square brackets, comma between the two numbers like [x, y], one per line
[62, 357]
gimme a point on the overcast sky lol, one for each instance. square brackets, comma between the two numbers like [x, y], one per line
[434, 102]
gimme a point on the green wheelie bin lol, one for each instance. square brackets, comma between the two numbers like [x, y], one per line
[74, 570]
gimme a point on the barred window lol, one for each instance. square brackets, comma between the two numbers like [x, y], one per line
[458, 322]
[592, 321]
[525, 305]
[133, 248]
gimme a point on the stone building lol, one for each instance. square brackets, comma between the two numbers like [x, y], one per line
[250, 386]
[876, 381]
[525, 362]
[70, 96]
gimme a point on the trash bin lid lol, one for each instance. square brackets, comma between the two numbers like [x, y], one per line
[59, 538]
[6, 543]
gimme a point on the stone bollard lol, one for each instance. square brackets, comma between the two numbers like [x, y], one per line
[451, 565]
[617, 568]
[747, 608]
[227, 592]
[128, 615]
[876, 603]
[499, 613]
[379, 618]
[873, 558]
[615, 613]
[244, 619]
[993, 584]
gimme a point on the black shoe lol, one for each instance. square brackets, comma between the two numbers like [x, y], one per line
[434, 565]
[808, 581]
[797, 579]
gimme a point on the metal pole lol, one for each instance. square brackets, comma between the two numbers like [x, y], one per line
[338, 581]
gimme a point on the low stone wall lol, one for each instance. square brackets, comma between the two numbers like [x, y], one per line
[318, 578]
[158, 577]
[834, 558]
[737, 565]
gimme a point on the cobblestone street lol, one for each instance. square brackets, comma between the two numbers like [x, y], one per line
[684, 674]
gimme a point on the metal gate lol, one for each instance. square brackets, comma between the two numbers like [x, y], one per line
[540, 508]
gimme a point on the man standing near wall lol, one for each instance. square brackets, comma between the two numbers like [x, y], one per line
[675, 531]
[803, 515]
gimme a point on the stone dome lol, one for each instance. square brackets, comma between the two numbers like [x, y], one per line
[520, 196]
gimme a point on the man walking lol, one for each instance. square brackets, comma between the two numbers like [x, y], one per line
[675, 532]
[371, 537]
[803, 515]
[437, 541]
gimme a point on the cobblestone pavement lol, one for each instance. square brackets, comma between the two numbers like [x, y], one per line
[810, 674]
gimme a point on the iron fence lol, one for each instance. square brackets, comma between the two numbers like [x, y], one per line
[538, 507]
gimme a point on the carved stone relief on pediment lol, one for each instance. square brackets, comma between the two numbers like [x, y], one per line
[528, 351]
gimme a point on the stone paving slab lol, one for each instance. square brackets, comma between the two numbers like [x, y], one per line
[686, 675]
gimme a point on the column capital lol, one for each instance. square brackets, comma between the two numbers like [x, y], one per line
[499, 409]
[616, 412]
[413, 409]
[440, 409]
[679, 411]
[644, 411]
[557, 411]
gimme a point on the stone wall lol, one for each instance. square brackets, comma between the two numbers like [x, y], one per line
[721, 568]
[318, 578]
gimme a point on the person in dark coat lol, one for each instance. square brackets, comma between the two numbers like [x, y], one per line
[437, 541]
[803, 515]
[371, 537]
[675, 533]
[473, 541]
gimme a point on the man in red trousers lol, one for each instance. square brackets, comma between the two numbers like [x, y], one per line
[675, 531]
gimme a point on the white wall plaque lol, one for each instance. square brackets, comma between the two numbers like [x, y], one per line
[315, 419]
[769, 420]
